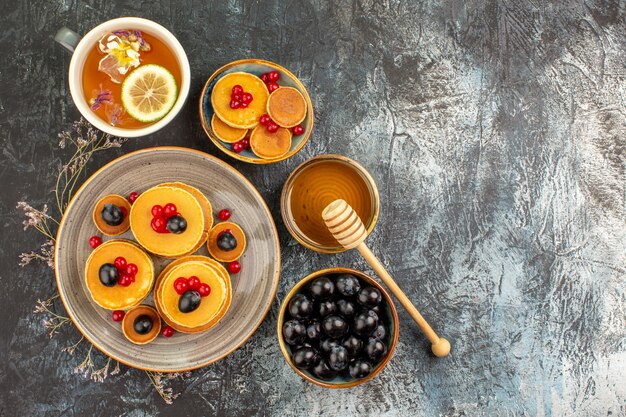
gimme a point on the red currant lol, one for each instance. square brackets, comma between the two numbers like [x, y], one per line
[265, 119]
[157, 210]
[133, 196]
[298, 130]
[204, 290]
[247, 97]
[124, 212]
[120, 263]
[132, 278]
[95, 241]
[234, 104]
[124, 280]
[223, 215]
[159, 224]
[170, 210]
[181, 285]
[194, 283]
[272, 87]
[237, 147]
[234, 267]
[237, 89]
[167, 331]
[226, 231]
[273, 76]
[131, 269]
[118, 315]
[272, 127]
[243, 105]
[265, 77]
[245, 142]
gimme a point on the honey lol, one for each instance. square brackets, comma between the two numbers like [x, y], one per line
[319, 184]
[95, 82]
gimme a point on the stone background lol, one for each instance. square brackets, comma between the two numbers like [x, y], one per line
[496, 133]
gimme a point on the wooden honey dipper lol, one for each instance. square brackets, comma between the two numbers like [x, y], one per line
[346, 226]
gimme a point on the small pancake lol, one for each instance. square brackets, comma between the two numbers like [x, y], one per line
[212, 307]
[226, 133]
[118, 297]
[106, 229]
[242, 118]
[207, 209]
[128, 324]
[287, 107]
[268, 145]
[219, 254]
[168, 245]
[218, 268]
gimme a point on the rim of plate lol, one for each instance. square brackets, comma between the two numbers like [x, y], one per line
[203, 154]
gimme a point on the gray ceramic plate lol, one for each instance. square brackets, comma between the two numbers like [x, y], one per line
[254, 287]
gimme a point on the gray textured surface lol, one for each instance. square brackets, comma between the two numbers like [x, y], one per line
[496, 133]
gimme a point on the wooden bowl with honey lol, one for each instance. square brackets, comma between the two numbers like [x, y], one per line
[316, 183]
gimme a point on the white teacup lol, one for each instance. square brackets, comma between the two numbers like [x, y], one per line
[80, 49]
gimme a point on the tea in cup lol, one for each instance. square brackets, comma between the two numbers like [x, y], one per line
[128, 77]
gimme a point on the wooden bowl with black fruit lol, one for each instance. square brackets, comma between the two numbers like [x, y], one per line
[338, 328]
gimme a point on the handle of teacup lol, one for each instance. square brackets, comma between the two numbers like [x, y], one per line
[67, 38]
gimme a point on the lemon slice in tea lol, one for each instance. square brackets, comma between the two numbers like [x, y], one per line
[149, 93]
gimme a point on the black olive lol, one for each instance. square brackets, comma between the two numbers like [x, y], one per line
[360, 369]
[322, 288]
[176, 224]
[108, 275]
[300, 306]
[314, 331]
[346, 308]
[143, 324]
[112, 215]
[365, 322]
[189, 301]
[348, 285]
[323, 371]
[380, 332]
[294, 332]
[226, 241]
[375, 349]
[296, 347]
[369, 297]
[327, 344]
[306, 357]
[353, 344]
[335, 326]
[326, 308]
[338, 358]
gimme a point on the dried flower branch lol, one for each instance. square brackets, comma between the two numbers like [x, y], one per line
[55, 321]
[71, 349]
[86, 142]
[160, 380]
[101, 374]
[45, 254]
[86, 367]
[37, 219]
